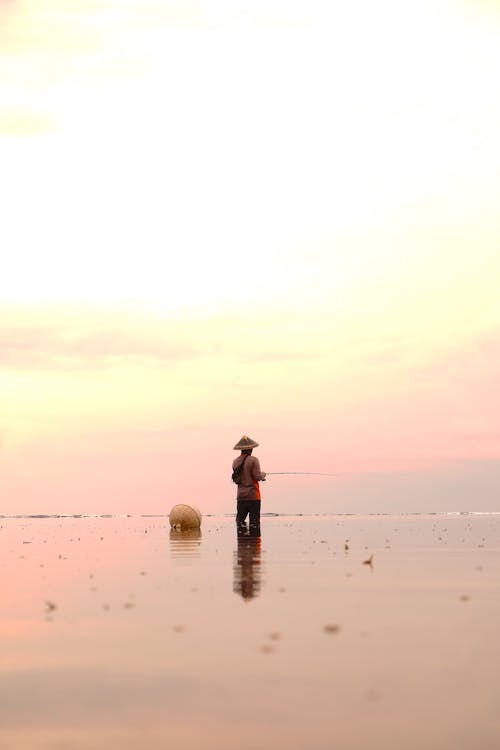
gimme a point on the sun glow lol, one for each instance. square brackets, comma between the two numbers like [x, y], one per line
[264, 217]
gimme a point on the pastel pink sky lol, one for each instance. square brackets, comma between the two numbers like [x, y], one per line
[264, 218]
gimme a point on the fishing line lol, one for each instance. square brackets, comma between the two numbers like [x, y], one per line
[315, 473]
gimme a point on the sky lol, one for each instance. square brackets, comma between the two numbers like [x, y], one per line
[268, 218]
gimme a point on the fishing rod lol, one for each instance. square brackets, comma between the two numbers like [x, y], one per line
[315, 473]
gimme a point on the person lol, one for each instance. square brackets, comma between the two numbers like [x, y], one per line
[248, 498]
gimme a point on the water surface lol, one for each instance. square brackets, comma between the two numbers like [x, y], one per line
[119, 633]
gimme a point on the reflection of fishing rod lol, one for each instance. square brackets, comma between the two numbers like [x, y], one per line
[315, 473]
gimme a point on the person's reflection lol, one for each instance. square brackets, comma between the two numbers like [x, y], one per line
[247, 563]
[185, 544]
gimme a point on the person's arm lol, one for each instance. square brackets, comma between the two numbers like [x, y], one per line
[257, 474]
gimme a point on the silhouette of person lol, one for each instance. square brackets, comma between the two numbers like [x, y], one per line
[248, 497]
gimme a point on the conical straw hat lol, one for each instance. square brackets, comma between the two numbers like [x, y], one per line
[245, 443]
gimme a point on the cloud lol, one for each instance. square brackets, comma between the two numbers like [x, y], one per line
[473, 361]
[279, 355]
[376, 350]
[60, 346]
[464, 485]
[25, 122]
[69, 339]
[485, 437]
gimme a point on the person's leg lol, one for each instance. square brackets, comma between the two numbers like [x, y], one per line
[255, 515]
[241, 512]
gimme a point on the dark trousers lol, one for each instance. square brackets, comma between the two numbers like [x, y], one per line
[245, 508]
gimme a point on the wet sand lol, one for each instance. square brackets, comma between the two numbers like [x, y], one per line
[117, 633]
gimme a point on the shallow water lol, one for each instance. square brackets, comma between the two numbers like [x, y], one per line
[119, 633]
